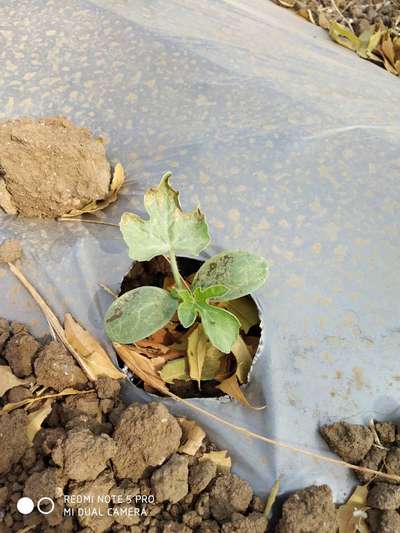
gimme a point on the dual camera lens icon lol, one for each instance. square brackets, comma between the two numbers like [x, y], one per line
[45, 505]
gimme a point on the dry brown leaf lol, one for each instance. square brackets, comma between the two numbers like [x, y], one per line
[116, 183]
[231, 387]
[29, 401]
[388, 49]
[36, 419]
[8, 380]
[243, 358]
[192, 436]
[351, 517]
[245, 310]
[323, 21]
[94, 355]
[220, 458]
[156, 347]
[140, 366]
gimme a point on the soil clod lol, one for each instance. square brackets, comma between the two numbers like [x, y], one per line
[49, 167]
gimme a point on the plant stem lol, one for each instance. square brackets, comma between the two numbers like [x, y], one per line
[175, 270]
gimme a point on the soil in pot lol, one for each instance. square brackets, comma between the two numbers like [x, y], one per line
[105, 466]
[170, 343]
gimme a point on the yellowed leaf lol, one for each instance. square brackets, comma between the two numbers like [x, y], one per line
[176, 369]
[116, 183]
[344, 36]
[140, 366]
[89, 349]
[8, 380]
[221, 459]
[29, 401]
[204, 358]
[192, 436]
[245, 310]
[36, 419]
[196, 353]
[374, 41]
[231, 387]
[287, 3]
[243, 358]
[351, 517]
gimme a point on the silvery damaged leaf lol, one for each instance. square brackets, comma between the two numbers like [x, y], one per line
[240, 272]
[168, 227]
[139, 313]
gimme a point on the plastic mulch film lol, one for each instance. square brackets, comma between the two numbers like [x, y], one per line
[290, 143]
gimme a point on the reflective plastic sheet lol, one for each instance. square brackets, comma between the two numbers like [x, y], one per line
[291, 145]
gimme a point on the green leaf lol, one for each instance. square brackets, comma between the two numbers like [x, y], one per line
[240, 272]
[245, 310]
[220, 326]
[187, 314]
[175, 369]
[243, 359]
[210, 293]
[168, 227]
[139, 313]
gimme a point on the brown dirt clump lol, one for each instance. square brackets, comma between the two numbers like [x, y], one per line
[308, 511]
[145, 436]
[383, 521]
[384, 496]
[83, 455]
[351, 442]
[120, 469]
[20, 352]
[13, 439]
[56, 368]
[170, 481]
[229, 494]
[49, 167]
[201, 475]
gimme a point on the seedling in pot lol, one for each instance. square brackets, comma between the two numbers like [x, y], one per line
[204, 305]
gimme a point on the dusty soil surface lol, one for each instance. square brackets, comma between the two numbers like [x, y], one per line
[357, 15]
[49, 167]
[377, 448]
[106, 466]
[309, 510]
[154, 273]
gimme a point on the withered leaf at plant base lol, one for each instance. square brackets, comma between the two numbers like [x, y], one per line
[97, 205]
[8, 380]
[88, 347]
[176, 369]
[36, 419]
[231, 387]
[245, 310]
[221, 459]
[351, 517]
[192, 436]
[243, 358]
[140, 366]
[29, 401]
[203, 357]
